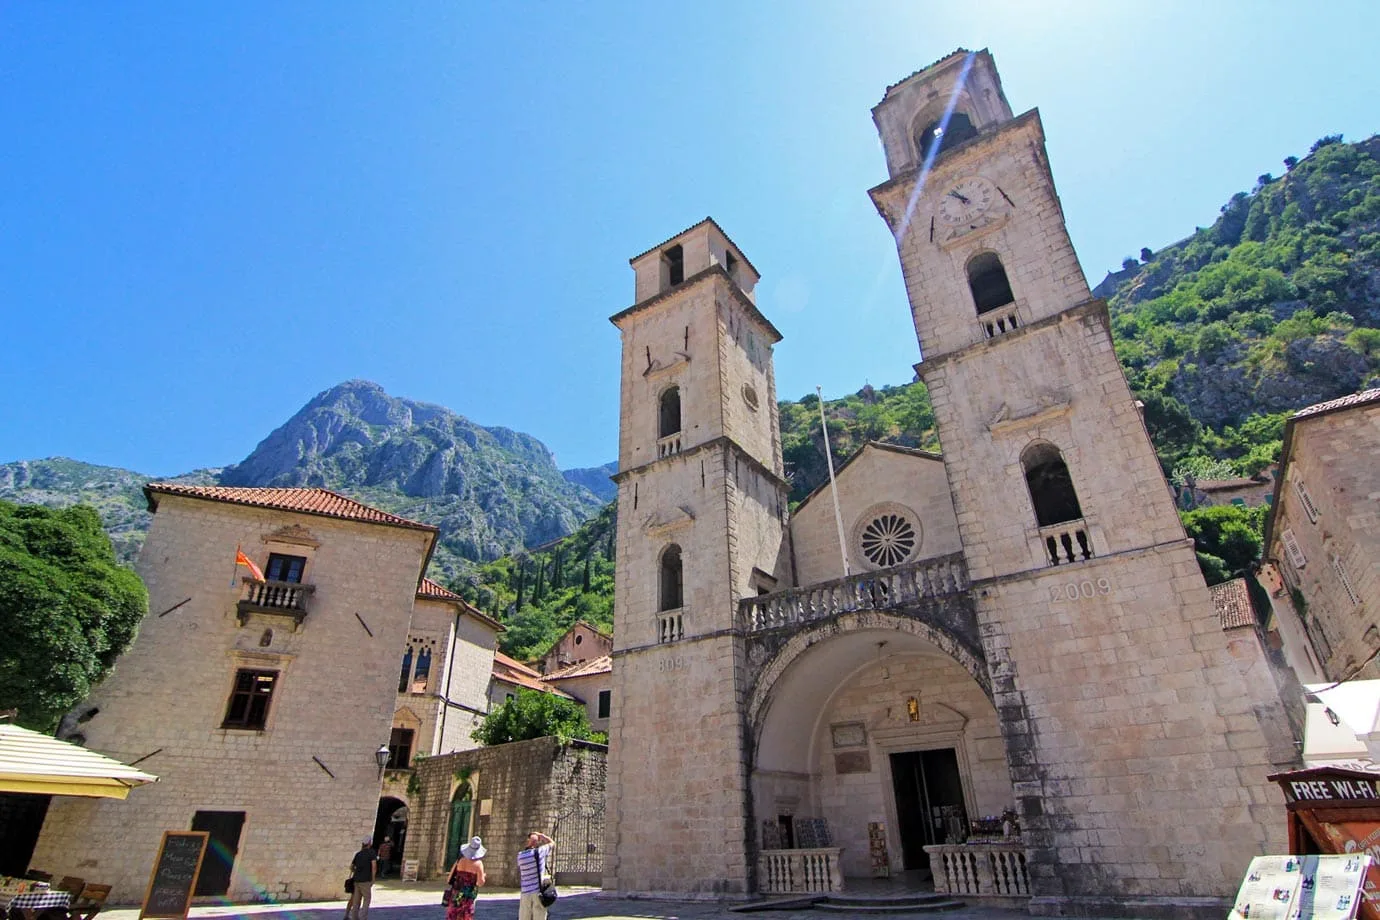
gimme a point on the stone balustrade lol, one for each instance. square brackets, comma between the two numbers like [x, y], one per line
[1066, 543]
[799, 871]
[1000, 321]
[883, 589]
[980, 870]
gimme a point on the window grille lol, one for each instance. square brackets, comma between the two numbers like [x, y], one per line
[1307, 500]
[1345, 580]
[1291, 546]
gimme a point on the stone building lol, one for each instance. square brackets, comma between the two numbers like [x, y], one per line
[1018, 624]
[443, 696]
[589, 683]
[581, 642]
[259, 702]
[1323, 537]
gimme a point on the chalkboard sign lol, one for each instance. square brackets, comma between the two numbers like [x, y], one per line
[174, 874]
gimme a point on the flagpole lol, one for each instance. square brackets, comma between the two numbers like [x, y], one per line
[833, 485]
[236, 569]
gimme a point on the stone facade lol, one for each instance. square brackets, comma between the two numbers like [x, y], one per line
[1025, 625]
[878, 480]
[306, 784]
[513, 790]
[1324, 536]
[581, 642]
[701, 515]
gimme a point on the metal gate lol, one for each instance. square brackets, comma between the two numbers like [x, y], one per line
[579, 850]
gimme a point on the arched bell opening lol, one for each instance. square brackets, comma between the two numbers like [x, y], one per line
[888, 718]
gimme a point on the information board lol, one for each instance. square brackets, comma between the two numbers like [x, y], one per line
[174, 874]
[1301, 888]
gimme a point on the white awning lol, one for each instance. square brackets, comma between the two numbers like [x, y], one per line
[36, 763]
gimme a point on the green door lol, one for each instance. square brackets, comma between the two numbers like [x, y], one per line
[458, 834]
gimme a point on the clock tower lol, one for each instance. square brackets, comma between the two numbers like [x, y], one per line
[1137, 753]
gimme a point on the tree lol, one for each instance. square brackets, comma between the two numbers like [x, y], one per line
[1128, 263]
[1227, 538]
[1290, 162]
[1146, 254]
[67, 609]
[534, 714]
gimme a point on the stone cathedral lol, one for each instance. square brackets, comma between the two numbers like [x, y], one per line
[1021, 627]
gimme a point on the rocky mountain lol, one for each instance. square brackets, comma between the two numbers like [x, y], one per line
[595, 478]
[490, 490]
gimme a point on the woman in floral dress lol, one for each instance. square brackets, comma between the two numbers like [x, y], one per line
[466, 876]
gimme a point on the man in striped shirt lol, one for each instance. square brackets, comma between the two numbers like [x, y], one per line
[533, 866]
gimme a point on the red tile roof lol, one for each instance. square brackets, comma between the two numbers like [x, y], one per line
[1233, 603]
[431, 589]
[321, 502]
[1344, 402]
[515, 672]
[601, 665]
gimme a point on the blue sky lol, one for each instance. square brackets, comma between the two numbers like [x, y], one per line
[211, 212]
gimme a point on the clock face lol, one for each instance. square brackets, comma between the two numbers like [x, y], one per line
[966, 200]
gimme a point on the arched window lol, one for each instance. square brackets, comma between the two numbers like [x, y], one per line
[423, 670]
[671, 596]
[406, 670]
[987, 281]
[959, 129]
[670, 413]
[1051, 487]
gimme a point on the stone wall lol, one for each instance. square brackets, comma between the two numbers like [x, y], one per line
[166, 700]
[539, 785]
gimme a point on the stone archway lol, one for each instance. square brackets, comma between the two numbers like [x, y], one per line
[838, 715]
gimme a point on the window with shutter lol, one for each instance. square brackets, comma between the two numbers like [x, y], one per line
[1307, 500]
[1345, 580]
[1291, 546]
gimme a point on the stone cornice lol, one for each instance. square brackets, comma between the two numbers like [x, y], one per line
[734, 291]
[722, 440]
[1093, 307]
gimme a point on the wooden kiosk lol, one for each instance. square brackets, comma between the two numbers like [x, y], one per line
[1336, 810]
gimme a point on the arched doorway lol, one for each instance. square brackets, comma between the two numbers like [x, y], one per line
[458, 826]
[391, 824]
[880, 735]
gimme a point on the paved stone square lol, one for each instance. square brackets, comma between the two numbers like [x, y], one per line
[395, 900]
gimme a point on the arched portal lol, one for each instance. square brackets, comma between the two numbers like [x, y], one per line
[390, 825]
[881, 720]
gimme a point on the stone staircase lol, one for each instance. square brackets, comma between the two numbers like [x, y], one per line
[908, 902]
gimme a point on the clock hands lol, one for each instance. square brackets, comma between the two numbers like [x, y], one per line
[962, 198]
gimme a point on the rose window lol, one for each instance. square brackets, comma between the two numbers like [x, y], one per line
[889, 539]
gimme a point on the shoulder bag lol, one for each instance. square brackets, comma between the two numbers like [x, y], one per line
[547, 892]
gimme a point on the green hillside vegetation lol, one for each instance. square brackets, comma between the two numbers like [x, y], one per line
[539, 594]
[1272, 308]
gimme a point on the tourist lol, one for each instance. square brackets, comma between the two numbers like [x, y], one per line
[533, 865]
[466, 877]
[362, 871]
[385, 857]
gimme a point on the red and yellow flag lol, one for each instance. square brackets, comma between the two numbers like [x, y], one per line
[242, 559]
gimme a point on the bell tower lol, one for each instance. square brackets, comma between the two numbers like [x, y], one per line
[1136, 748]
[701, 517]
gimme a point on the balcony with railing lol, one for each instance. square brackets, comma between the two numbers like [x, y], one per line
[883, 589]
[274, 598]
[668, 445]
[999, 321]
[1065, 543]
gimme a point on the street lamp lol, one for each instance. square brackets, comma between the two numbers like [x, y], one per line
[381, 758]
